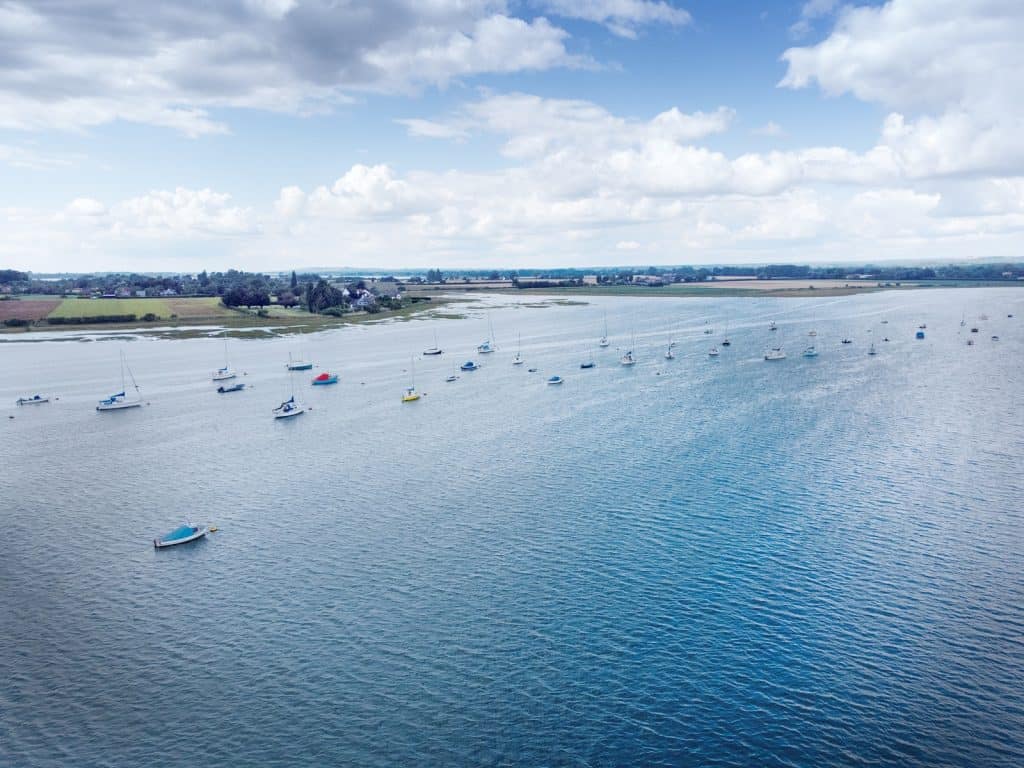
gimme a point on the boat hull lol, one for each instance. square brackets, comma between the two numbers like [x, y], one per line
[297, 411]
[118, 406]
[300, 367]
[32, 400]
[162, 543]
[224, 376]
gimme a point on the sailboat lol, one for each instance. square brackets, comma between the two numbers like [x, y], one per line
[810, 352]
[628, 359]
[772, 326]
[713, 352]
[410, 392]
[298, 365]
[775, 353]
[225, 373]
[871, 350]
[669, 354]
[121, 400]
[434, 350]
[289, 408]
[604, 339]
[518, 359]
[487, 347]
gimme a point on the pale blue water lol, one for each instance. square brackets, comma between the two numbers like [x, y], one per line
[735, 562]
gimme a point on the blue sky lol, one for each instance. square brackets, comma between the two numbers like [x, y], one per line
[270, 134]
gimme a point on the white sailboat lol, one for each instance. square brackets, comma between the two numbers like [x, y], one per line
[488, 346]
[298, 364]
[289, 408]
[225, 373]
[122, 400]
[434, 350]
[628, 359]
[518, 359]
[669, 354]
[604, 339]
[775, 353]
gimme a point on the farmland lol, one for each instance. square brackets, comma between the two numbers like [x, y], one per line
[27, 309]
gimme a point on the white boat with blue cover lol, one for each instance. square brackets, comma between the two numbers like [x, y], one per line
[34, 400]
[288, 409]
[469, 365]
[121, 400]
[555, 380]
[181, 535]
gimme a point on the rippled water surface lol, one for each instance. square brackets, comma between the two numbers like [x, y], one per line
[690, 562]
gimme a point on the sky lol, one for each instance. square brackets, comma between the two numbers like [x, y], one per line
[477, 134]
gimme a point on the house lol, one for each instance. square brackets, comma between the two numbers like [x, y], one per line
[590, 279]
[365, 301]
[168, 292]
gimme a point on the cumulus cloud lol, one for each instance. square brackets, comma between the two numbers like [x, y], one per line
[71, 64]
[951, 70]
[621, 17]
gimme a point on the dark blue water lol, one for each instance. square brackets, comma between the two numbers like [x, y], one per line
[691, 562]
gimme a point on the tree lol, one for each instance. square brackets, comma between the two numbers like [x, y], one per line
[295, 280]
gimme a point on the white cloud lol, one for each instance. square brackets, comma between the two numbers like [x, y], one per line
[809, 12]
[621, 17]
[950, 69]
[171, 63]
[431, 130]
[181, 213]
[627, 245]
[771, 128]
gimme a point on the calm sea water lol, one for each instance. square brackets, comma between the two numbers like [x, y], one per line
[690, 562]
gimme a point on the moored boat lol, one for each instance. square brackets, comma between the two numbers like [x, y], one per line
[181, 535]
[588, 364]
[555, 380]
[33, 400]
[120, 400]
[628, 359]
[233, 388]
[775, 353]
[469, 365]
[289, 409]
[810, 352]
[325, 378]
[410, 395]
[713, 352]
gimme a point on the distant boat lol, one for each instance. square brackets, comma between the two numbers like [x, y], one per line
[531, 370]
[812, 333]
[810, 352]
[469, 365]
[871, 349]
[288, 409]
[922, 326]
[410, 392]
[325, 378]
[34, 400]
[669, 354]
[970, 342]
[847, 341]
[885, 322]
[555, 380]
[994, 338]
[974, 329]
[182, 535]
[775, 353]
[726, 342]
[886, 338]
[588, 364]
[487, 347]
[225, 373]
[298, 365]
[772, 326]
[233, 388]
[451, 378]
[628, 359]
[713, 352]
[120, 400]
[604, 339]
[434, 350]
[518, 359]
[919, 335]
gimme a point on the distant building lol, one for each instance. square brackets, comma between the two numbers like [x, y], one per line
[590, 279]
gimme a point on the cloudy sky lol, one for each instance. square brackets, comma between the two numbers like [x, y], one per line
[270, 134]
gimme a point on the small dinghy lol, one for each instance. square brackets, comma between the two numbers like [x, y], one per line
[726, 343]
[233, 388]
[531, 370]
[452, 378]
[325, 378]
[588, 364]
[469, 365]
[713, 352]
[182, 535]
[555, 380]
[34, 400]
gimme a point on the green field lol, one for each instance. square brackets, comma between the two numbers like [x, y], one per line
[97, 307]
